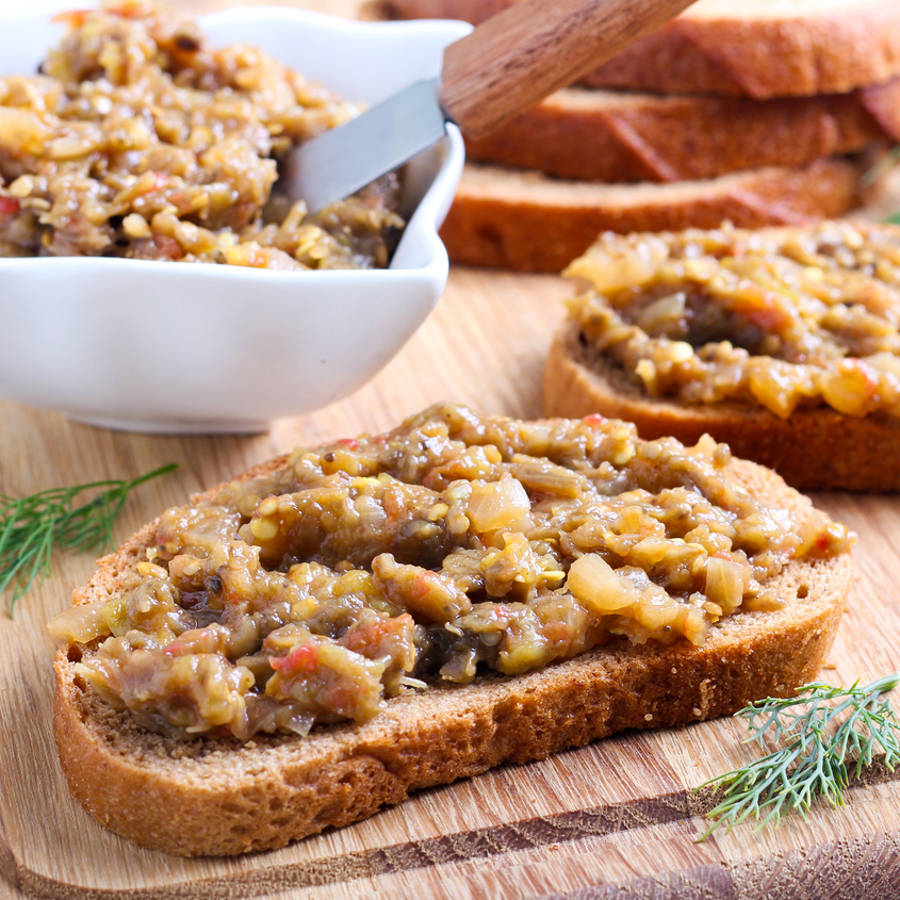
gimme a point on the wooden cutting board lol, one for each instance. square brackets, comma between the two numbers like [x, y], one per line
[615, 819]
[615, 813]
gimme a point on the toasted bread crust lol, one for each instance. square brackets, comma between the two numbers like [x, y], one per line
[525, 221]
[214, 796]
[608, 136]
[770, 49]
[812, 449]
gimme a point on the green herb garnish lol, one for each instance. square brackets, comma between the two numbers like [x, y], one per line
[881, 167]
[31, 528]
[820, 736]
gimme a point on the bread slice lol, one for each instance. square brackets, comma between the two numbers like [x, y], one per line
[767, 48]
[529, 222]
[217, 796]
[598, 135]
[813, 449]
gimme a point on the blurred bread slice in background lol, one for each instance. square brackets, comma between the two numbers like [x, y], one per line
[763, 114]
[765, 48]
[527, 221]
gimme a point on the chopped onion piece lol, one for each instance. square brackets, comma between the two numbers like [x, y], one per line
[546, 477]
[498, 504]
[850, 389]
[663, 315]
[725, 583]
[80, 624]
[595, 584]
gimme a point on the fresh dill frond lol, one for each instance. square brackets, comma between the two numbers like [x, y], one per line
[31, 528]
[881, 167]
[822, 730]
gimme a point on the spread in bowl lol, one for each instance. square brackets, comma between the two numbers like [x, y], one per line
[136, 139]
[148, 345]
[453, 545]
[778, 318]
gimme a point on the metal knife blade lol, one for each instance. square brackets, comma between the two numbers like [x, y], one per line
[341, 161]
[506, 65]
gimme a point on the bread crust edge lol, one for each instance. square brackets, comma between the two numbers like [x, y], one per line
[647, 139]
[812, 449]
[513, 228]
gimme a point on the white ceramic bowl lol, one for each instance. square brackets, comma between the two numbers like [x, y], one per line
[163, 346]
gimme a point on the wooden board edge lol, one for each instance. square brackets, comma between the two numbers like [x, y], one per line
[528, 834]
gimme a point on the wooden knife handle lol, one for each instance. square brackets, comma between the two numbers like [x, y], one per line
[516, 58]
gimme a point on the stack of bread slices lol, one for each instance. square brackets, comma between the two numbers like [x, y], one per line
[759, 113]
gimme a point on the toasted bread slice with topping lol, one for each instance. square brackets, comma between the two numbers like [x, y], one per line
[813, 449]
[213, 794]
[781, 342]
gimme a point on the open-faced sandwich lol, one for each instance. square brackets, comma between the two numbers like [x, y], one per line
[785, 343]
[315, 639]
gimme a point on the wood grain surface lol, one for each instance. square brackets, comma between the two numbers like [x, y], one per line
[613, 820]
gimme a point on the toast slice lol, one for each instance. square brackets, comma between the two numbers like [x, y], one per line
[847, 445]
[770, 48]
[814, 449]
[532, 223]
[214, 795]
[597, 135]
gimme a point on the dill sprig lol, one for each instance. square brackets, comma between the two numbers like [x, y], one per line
[822, 729]
[876, 172]
[31, 528]
[881, 167]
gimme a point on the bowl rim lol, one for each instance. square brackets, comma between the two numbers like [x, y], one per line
[422, 224]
